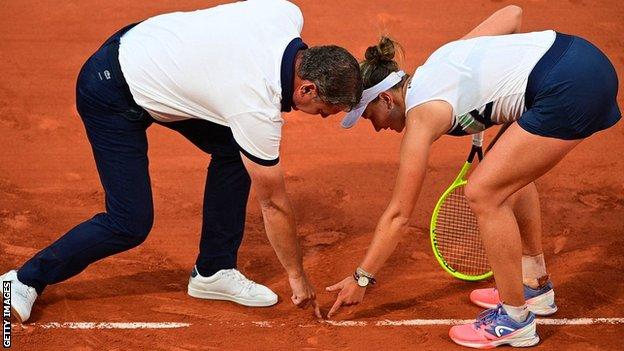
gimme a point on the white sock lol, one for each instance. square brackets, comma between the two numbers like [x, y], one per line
[533, 268]
[519, 314]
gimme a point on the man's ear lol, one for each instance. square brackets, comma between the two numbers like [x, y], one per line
[387, 99]
[308, 88]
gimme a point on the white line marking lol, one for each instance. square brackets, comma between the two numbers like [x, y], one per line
[270, 324]
[580, 321]
[430, 322]
[422, 322]
[109, 325]
[346, 323]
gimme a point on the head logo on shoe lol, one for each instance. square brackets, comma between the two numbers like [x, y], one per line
[501, 330]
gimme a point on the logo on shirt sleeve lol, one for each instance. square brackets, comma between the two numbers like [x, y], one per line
[474, 121]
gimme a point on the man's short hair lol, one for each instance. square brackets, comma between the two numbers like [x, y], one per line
[335, 72]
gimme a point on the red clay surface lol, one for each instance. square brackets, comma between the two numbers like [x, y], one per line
[339, 182]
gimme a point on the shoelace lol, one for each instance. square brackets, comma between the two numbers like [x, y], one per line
[238, 276]
[488, 316]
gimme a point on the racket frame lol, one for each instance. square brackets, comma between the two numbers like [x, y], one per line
[460, 181]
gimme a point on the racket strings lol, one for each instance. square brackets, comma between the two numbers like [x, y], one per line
[457, 236]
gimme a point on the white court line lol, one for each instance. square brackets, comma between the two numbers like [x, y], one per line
[580, 321]
[431, 322]
[110, 325]
[270, 324]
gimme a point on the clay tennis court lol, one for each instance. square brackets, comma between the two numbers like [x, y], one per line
[339, 182]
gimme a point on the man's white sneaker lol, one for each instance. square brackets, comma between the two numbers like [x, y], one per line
[231, 285]
[22, 296]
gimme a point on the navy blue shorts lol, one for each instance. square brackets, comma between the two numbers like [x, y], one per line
[571, 92]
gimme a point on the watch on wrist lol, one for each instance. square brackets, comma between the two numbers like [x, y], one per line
[363, 278]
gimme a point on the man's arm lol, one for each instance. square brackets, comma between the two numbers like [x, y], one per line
[279, 223]
[507, 20]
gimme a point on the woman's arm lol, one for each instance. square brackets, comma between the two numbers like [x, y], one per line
[423, 126]
[504, 21]
[394, 222]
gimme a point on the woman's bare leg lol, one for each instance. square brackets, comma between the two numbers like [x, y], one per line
[514, 162]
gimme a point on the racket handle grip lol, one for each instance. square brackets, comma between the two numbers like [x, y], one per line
[477, 139]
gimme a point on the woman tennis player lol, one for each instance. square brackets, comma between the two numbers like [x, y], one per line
[558, 89]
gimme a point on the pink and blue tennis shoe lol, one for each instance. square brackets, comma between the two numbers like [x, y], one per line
[494, 327]
[540, 301]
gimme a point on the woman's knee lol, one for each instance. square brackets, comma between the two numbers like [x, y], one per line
[479, 198]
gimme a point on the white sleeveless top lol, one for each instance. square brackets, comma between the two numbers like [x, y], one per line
[484, 77]
[220, 64]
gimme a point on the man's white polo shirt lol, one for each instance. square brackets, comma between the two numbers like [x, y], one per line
[228, 65]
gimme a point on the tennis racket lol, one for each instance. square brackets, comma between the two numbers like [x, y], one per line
[454, 231]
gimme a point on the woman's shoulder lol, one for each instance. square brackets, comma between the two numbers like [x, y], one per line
[434, 115]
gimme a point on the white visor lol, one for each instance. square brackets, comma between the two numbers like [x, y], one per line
[369, 95]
